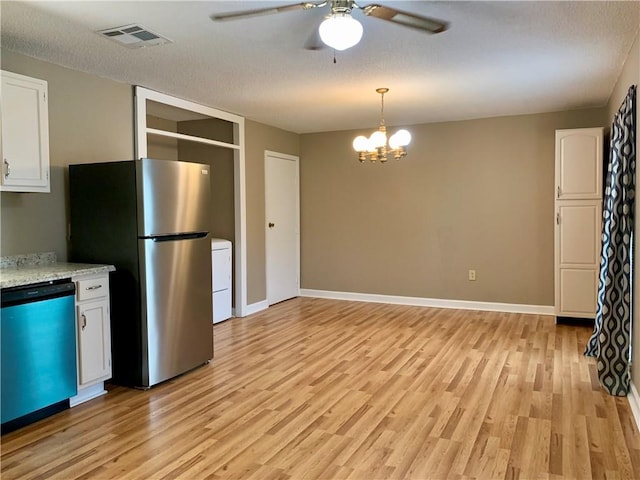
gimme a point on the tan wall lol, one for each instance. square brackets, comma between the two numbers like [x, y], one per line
[631, 76]
[470, 195]
[394, 229]
[260, 137]
[218, 158]
[221, 162]
[222, 169]
[159, 147]
[90, 120]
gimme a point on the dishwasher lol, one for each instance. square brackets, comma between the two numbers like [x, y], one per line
[38, 352]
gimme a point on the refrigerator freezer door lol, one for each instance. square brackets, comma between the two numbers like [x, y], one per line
[174, 197]
[177, 313]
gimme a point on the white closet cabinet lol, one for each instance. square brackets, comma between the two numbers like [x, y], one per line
[579, 164]
[25, 134]
[93, 336]
[578, 210]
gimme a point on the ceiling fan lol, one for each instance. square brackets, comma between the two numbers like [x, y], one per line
[340, 30]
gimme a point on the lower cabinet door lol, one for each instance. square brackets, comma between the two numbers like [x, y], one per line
[577, 257]
[578, 292]
[93, 342]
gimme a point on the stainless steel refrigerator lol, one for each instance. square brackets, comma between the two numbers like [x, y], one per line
[151, 219]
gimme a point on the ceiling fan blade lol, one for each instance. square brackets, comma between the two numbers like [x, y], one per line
[266, 11]
[407, 19]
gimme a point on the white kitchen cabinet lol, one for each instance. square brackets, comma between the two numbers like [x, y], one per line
[578, 243]
[579, 164]
[93, 336]
[25, 134]
[578, 219]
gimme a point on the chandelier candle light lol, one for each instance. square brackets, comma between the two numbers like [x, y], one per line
[375, 147]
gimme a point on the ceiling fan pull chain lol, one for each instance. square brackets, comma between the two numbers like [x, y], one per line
[334, 56]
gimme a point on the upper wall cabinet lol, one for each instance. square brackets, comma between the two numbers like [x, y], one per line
[579, 163]
[25, 134]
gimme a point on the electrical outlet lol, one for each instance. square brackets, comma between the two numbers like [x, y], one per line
[472, 275]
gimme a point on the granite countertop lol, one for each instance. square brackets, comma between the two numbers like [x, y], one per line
[19, 270]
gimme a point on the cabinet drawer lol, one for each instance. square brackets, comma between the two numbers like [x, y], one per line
[92, 288]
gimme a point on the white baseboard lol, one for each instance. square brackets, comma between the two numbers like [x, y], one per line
[256, 307]
[634, 403]
[87, 394]
[430, 302]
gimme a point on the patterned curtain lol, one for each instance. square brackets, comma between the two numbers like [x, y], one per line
[611, 339]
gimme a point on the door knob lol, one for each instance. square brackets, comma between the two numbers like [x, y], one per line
[271, 225]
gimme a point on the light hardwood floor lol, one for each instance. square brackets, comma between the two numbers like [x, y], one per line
[325, 389]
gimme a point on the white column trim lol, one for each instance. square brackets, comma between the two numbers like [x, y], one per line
[634, 403]
[256, 307]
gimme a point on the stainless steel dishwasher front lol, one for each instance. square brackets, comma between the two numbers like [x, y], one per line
[38, 352]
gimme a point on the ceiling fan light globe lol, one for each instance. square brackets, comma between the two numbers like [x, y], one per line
[340, 31]
[401, 138]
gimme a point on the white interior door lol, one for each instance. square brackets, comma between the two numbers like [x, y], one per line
[282, 207]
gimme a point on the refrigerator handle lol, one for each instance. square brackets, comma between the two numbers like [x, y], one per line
[177, 236]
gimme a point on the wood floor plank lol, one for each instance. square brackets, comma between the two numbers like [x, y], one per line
[326, 389]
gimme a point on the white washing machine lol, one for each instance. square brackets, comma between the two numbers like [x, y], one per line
[221, 277]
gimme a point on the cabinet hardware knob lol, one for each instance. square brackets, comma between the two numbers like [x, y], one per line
[271, 224]
[558, 191]
[93, 287]
[8, 170]
[558, 218]
[84, 321]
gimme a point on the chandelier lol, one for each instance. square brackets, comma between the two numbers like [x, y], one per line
[376, 147]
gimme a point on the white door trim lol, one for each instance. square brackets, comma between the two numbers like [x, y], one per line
[296, 160]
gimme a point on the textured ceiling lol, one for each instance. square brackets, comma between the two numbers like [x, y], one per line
[497, 58]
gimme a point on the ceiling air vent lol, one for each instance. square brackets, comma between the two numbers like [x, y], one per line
[134, 36]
